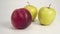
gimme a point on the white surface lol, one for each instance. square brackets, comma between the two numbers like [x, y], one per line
[7, 7]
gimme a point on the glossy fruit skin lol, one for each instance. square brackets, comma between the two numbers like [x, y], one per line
[33, 10]
[21, 18]
[46, 15]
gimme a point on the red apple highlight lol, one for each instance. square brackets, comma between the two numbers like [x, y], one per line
[21, 18]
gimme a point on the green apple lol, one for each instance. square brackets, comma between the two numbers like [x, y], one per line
[46, 15]
[33, 10]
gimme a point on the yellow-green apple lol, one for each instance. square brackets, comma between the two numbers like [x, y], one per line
[21, 18]
[33, 10]
[46, 15]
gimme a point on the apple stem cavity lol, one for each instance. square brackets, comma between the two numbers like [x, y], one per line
[49, 5]
[28, 3]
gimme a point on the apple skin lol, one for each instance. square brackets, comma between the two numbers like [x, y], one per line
[46, 15]
[21, 18]
[33, 10]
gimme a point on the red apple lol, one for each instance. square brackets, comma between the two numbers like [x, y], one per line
[21, 18]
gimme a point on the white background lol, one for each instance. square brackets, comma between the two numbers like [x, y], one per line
[7, 7]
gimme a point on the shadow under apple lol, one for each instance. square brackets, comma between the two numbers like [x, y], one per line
[6, 24]
[36, 22]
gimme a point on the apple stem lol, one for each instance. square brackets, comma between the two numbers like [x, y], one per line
[49, 5]
[28, 3]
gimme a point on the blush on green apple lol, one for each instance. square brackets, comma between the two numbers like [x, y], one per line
[46, 15]
[33, 10]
